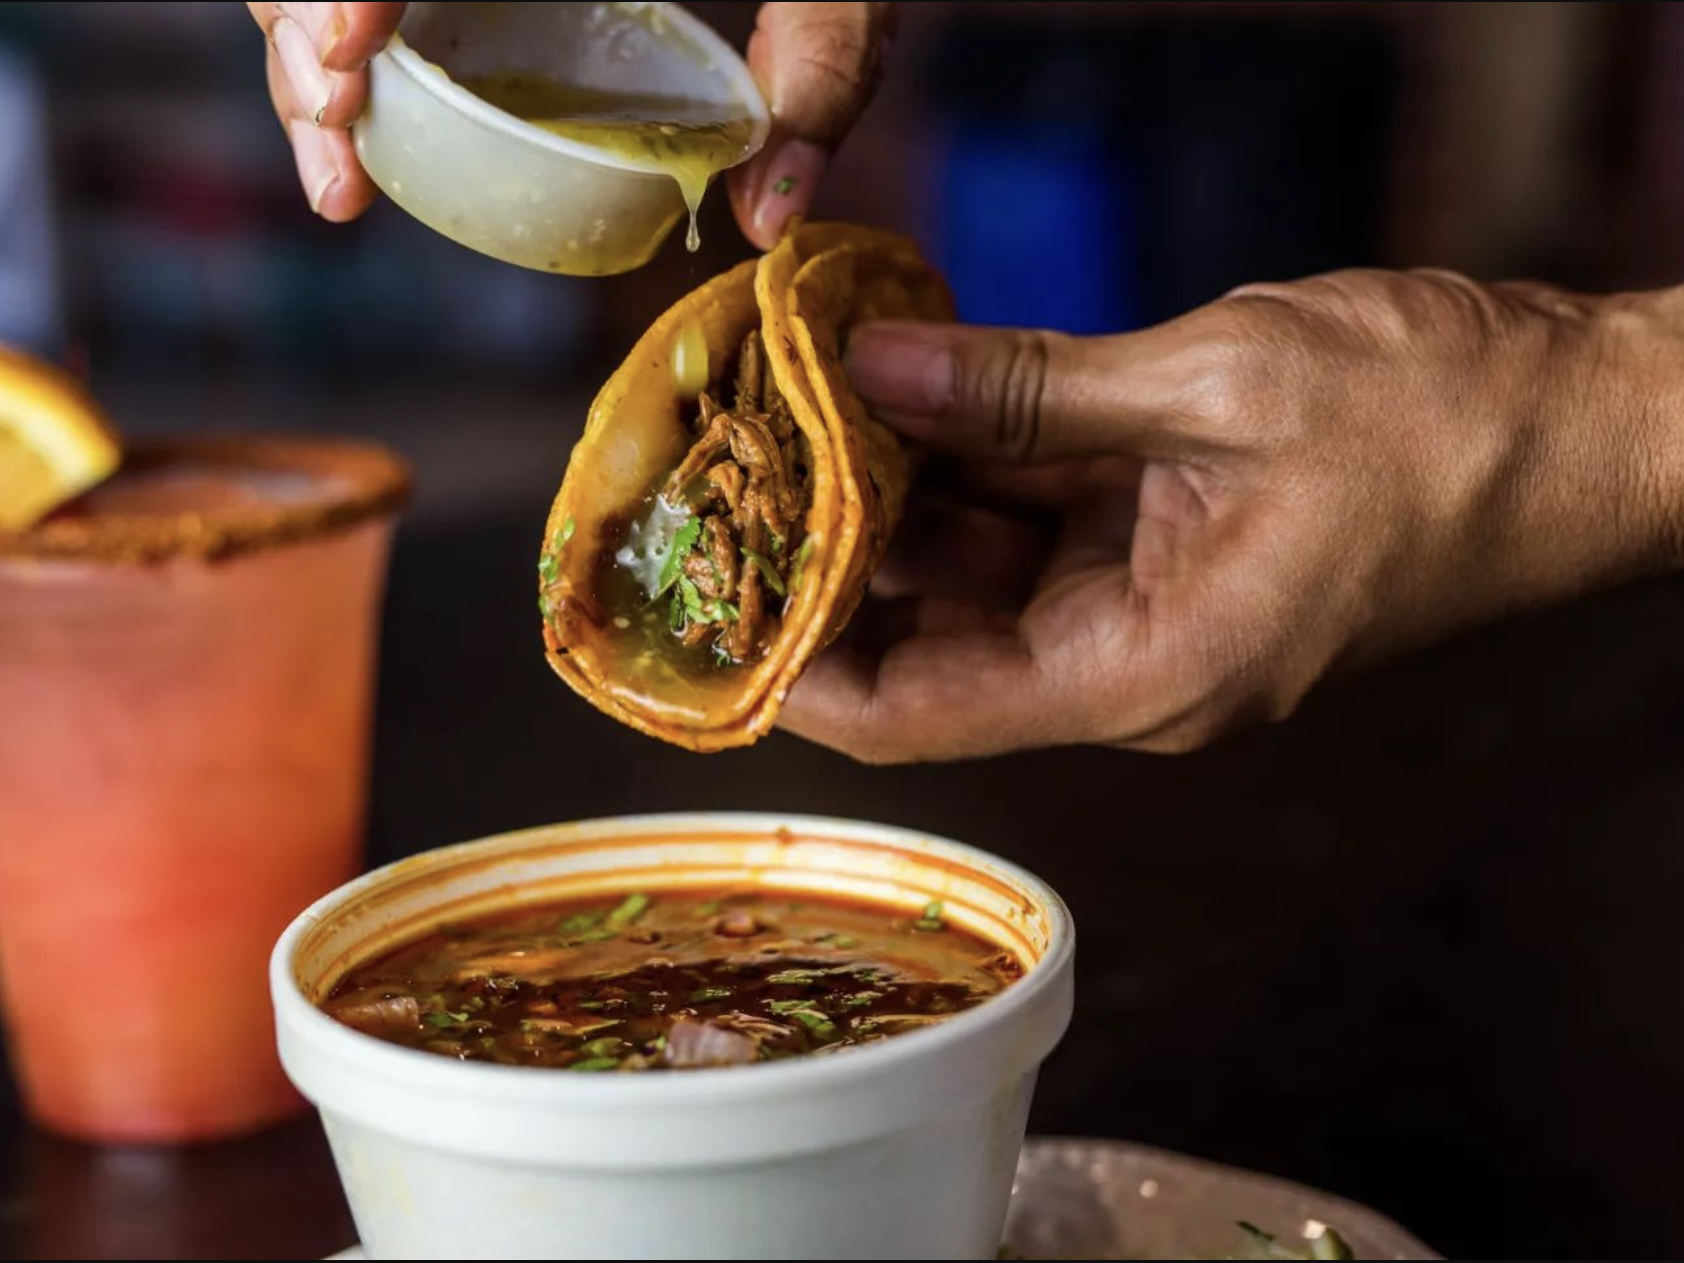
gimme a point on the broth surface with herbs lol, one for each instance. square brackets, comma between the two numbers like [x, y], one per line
[671, 981]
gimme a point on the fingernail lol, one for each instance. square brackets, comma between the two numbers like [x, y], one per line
[901, 367]
[316, 169]
[325, 24]
[303, 66]
[790, 171]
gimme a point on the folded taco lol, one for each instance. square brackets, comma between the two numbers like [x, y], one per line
[717, 527]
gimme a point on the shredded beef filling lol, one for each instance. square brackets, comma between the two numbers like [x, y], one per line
[745, 479]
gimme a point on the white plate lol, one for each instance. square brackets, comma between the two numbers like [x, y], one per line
[1103, 1199]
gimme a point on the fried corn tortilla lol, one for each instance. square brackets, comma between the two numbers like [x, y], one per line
[702, 550]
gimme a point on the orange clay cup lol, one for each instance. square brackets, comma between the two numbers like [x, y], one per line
[186, 667]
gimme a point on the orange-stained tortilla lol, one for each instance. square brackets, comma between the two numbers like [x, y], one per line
[803, 297]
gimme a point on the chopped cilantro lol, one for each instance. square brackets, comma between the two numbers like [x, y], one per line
[447, 1018]
[692, 598]
[607, 1046]
[931, 920]
[699, 611]
[599, 935]
[565, 533]
[815, 1021]
[721, 612]
[581, 921]
[767, 572]
[804, 1012]
[596, 1063]
[672, 569]
[710, 993]
[628, 911]
[549, 567]
[1330, 1245]
[782, 187]
[860, 999]
[799, 567]
[1264, 1245]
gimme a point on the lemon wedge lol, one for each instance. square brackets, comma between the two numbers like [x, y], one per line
[55, 442]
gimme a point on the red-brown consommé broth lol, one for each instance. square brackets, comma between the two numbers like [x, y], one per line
[671, 981]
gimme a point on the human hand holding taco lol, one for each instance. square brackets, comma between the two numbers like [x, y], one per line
[1151, 538]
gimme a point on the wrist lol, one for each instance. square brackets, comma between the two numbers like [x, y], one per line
[1632, 380]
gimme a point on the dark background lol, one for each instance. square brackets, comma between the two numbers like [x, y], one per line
[1415, 946]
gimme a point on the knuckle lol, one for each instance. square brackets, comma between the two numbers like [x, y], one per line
[1304, 296]
[1300, 310]
[1197, 726]
[1440, 299]
[1179, 739]
[1008, 389]
[1265, 291]
[878, 751]
[1277, 698]
[1178, 722]
[1262, 361]
[875, 736]
[834, 59]
[1443, 278]
[830, 54]
[1227, 679]
[1228, 375]
[1269, 689]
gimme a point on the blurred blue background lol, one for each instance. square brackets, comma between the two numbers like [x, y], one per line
[1082, 166]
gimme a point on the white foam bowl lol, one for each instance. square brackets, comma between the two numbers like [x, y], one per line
[496, 184]
[903, 1149]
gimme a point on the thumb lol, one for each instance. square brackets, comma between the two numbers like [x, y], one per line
[817, 65]
[1014, 394]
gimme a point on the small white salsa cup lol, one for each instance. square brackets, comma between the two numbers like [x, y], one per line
[499, 185]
